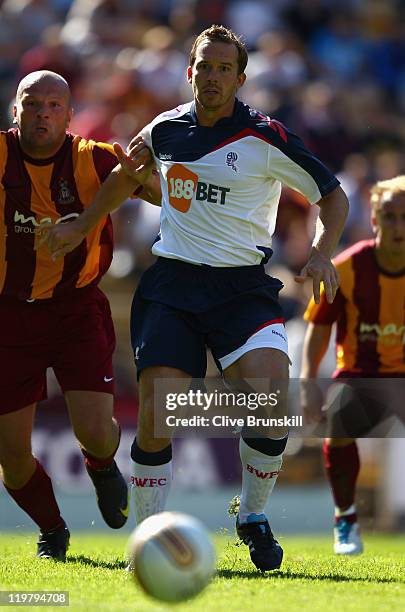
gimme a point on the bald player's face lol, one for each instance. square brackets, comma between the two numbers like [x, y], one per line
[42, 112]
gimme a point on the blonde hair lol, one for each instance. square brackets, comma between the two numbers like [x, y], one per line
[390, 187]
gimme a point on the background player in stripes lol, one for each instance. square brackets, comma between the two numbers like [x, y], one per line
[52, 314]
[369, 312]
[208, 287]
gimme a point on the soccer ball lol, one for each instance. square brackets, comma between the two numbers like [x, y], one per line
[171, 556]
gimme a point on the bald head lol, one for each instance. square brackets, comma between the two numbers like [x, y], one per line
[42, 112]
[43, 79]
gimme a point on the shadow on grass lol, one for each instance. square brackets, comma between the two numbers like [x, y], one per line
[92, 563]
[229, 573]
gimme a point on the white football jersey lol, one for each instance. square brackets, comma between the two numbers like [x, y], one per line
[221, 185]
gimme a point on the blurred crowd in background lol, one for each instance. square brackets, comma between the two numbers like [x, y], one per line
[332, 70]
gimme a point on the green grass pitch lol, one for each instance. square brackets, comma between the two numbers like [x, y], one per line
[311, 577]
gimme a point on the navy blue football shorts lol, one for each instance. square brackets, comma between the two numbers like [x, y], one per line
[180, 309]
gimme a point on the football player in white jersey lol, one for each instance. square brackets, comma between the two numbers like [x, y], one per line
[220, 166]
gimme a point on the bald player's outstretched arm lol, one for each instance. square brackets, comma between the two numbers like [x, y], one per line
[120, 185]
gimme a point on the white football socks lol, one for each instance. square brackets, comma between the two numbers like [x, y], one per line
[259, 476]
[150, 488]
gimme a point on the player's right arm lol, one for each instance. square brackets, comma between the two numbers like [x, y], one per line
[119, 185]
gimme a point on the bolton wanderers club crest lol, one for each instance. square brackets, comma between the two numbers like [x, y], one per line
[231, 158]
[64, 195]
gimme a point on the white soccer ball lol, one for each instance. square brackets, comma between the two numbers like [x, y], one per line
[171, 556]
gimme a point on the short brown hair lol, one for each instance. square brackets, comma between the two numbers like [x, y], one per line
[219, 33]
[390, 186]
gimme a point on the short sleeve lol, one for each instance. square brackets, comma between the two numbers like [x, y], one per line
[104, 159]
[290, 162]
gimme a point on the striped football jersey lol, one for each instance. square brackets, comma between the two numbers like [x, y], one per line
[37, 192]
[369, 311]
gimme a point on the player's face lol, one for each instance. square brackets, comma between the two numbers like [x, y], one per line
[389, 225]
[214, 77]
[42, 113]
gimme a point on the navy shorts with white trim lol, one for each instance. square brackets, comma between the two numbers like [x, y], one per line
[180, 309]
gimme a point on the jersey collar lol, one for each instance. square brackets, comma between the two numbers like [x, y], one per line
[49, 160]
[238, 111]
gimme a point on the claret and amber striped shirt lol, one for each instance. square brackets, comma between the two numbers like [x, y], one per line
[36, 192]
[369, 310]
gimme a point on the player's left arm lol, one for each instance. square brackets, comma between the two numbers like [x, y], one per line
[293, 164]
[334, 208]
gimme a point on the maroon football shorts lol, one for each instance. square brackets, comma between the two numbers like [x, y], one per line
[74, 335]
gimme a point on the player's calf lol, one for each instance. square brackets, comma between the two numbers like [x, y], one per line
[112, 494]
[151, 480]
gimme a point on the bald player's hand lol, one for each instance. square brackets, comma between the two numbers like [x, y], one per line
[137, 162]
[61, 238]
